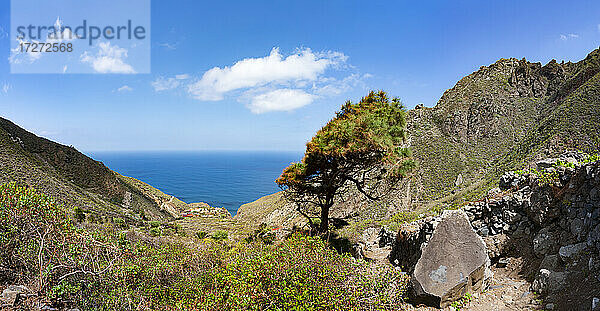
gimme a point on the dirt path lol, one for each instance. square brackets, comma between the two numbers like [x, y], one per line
[505, 294]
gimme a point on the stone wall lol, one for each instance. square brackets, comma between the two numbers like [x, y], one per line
[549, 217]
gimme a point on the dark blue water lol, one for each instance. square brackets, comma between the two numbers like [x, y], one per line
[219, 178]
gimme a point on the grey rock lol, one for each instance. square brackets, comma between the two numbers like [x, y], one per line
[511, 180]
[454, 262]
[576, 227]
[12, 294]
[459, 180]
[594, 263]
[511, 217]
[589, 171]
[369, 236]
[539, 209]
[357, 251]
[546, 163]
[572, 157]
[549, 281]
[550, 306]
[494, 191]
[569, 252]
[595, 303]
[594, 194]
[543, 242]
[596, 212]
[551, 262]
[410, 240]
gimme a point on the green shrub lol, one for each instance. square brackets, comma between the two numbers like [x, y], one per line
[155, 231]
[220, 235]
[120, 222]
[201, 235]
[79, 214]
[462, 302]
[154, 224]
[263, 234]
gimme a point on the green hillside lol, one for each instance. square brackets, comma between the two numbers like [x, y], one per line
[77, 180]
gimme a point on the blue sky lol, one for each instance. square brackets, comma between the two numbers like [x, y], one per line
[265, 75]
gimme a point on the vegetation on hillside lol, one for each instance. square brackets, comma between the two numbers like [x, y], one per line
[361, 149]
[104, 268]
[73, 178]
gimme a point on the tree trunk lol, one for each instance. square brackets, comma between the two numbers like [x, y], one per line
[324, 218]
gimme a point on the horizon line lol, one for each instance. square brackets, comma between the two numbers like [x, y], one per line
[189, 150]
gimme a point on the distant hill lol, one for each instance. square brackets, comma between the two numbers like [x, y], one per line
[501, 117]
[77, 180]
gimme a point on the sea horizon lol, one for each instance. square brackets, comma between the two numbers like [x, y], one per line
[221, 178]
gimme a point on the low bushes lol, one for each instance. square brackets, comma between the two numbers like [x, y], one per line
[104, 268]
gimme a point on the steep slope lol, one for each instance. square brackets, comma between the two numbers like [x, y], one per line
[505, 117]
[77, 180]
[501, 117]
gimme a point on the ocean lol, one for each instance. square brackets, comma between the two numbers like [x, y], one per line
[220, 178]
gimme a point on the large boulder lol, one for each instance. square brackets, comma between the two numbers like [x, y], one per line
[453, 262]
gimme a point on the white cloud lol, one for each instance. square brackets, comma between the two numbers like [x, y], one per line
[304, 65]
[335, 87]
[568, 36]
[272, 83]
[6, 87]
[280, 100]
[165, 84]
[125, 88]
[109, 59]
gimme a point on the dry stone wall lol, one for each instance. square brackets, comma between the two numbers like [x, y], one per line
[549, 216]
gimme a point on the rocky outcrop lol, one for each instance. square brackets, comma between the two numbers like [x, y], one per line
[550, 217]
[454, 262]
[12, 295]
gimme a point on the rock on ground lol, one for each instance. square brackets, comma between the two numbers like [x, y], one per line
[453, 263]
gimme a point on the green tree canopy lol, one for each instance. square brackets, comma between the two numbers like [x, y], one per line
[360, 148]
